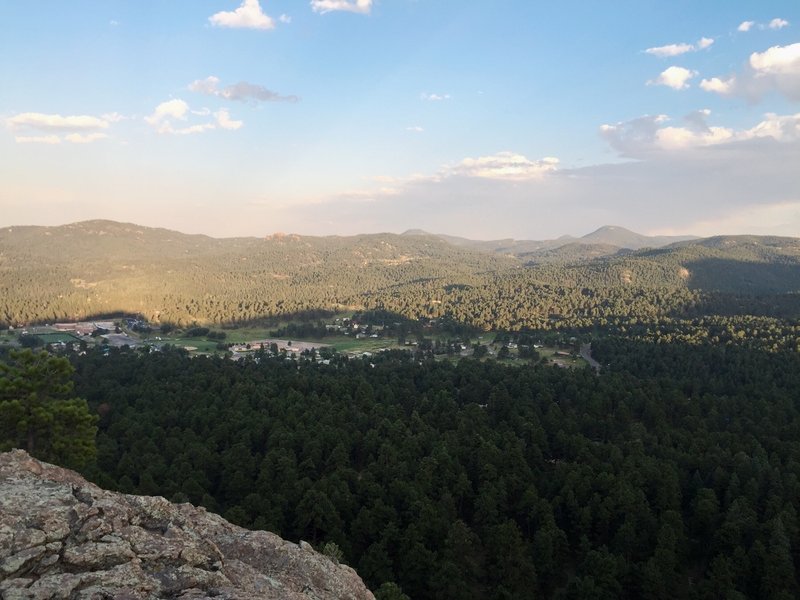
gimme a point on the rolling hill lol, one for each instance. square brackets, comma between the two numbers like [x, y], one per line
[610, 236]
[103, 267]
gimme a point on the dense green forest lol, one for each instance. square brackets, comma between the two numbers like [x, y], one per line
[96, 268]
[675, 473]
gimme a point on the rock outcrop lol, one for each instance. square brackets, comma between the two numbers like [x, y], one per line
[63, 537]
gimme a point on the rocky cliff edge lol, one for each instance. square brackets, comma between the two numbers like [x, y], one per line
[63, 537]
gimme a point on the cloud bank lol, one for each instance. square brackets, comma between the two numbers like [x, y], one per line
[777, 69]
[646, 135]
[42, 128]
[687, 176]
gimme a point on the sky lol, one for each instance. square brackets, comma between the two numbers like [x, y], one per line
[483, 119]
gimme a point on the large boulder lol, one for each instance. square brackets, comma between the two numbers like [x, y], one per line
[63, 537]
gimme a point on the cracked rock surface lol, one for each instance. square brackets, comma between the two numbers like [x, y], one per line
[63, 537]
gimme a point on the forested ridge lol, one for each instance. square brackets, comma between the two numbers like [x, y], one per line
[96, 268]
[673, 474]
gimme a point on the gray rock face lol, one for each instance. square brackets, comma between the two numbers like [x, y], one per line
[63, 537]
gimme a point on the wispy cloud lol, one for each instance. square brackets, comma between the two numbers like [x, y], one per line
[85, 138]
[37, 139]
[284, 18]
[776, 23]
[675, 77]
[415, 128]
[80, 129]
[775, 69]
[172, 117]
[242, 91]
[355, 6]
[434, 97]
[503, 165]
[678, 49]
[248, 16]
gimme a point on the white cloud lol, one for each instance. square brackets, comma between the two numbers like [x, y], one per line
[649, 135]
[503, 165]
[704, 43]
[242, 91]
[783, 128]
[775, 69]
[37, 139]
[434, 97]
[354, 6]
[45, 122]
[778, 24]
[248, 16]
[113, 117]
[284, 18]
[168, 114]
[88, 138]
[206, 86]
[224, 120]
[677, 138]
[82, 129]
[777, 60]
[670, 50]
[719, 86]
[415, 128]
[678, 49]
[675, 77]
[175, 109]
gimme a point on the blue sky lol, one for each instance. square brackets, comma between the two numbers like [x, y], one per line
[509, 118]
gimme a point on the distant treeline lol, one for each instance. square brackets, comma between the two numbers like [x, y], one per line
[75, 272]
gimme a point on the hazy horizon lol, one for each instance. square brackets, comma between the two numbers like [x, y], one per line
[409, 231]
[339, 117]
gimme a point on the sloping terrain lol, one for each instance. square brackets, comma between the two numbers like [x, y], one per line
[101, 267]
[63, 537]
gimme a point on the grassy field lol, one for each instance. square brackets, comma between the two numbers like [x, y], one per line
[346, 344]
[54, 338]
[195, 344]
[551, 354]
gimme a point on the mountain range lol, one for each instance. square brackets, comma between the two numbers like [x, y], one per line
[104, 267]
[603, 241]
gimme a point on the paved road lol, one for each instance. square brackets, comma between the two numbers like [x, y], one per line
[586, 354]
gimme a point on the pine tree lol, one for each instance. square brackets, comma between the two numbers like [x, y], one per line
[38, 412]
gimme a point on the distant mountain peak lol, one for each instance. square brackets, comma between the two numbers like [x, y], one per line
[625, 238]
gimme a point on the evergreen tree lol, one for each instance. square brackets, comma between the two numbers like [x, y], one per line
[38, 412]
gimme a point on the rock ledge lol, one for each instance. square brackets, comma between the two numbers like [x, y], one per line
[63, 537]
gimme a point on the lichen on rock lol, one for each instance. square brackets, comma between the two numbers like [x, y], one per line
[63, 537]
